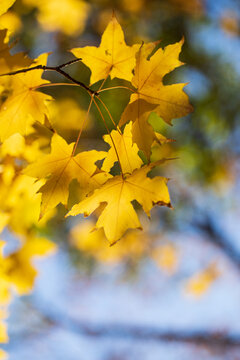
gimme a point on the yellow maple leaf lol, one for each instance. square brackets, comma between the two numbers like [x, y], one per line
[68, 107]
[25, 105]
[113, 57]
[17, 270]
[62, 167]
[9, 62]
[5, 5]
[169, 102]
[118, 192]
[122, 145]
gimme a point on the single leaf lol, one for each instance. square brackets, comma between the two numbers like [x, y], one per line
[122, 145]
[169, 102]
[16, 269]
[113, 57]
[151, 72]
[166, 258]
[148, 75]
[25, 105]
[62, 167]
[199, 283]
[9, 62]
[118, 194]
[69, 18]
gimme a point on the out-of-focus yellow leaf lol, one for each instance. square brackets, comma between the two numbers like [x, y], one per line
[3, 327]
[67, 16]
[24, 202]
[25, 105]
[65, 114]
[133, 6]
[10, 21]
[94, 243]
[16, 146]
[17, 269]
[3, 355]
[199, 283]
[112, 58]
[9, 62]
[122, 145]
[191, 7]
[230, 23]
[3, 221]
[5, 5]
[5, 293]
[165, 257]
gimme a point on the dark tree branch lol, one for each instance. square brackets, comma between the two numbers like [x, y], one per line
[57, 69]
[218, 238]
[200, 338]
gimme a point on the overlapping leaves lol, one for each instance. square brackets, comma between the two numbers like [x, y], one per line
[37, 171]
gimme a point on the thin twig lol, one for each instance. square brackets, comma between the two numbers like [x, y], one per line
[57, 69]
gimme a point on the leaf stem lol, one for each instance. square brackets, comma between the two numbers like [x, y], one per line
[53, 84]
[116, 87]
[82, 126]
[109, 133]
[110, 116]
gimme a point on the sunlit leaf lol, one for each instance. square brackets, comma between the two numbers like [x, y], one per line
[112, 58]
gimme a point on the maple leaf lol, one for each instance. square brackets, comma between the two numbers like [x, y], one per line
[113, 57]
[25, 105]
[169, 102]
[122, 145]
[16, 269]
[10, 62]
[62, 167]
[118, 192]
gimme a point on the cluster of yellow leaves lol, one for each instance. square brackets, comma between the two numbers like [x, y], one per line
[145, 72]
[38, 168]
[20, 201]
[67, 16]
[144, 67]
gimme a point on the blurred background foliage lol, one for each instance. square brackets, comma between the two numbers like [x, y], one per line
[206, 142]
[204, 183]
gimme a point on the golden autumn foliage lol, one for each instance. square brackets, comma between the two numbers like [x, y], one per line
[39, 164]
